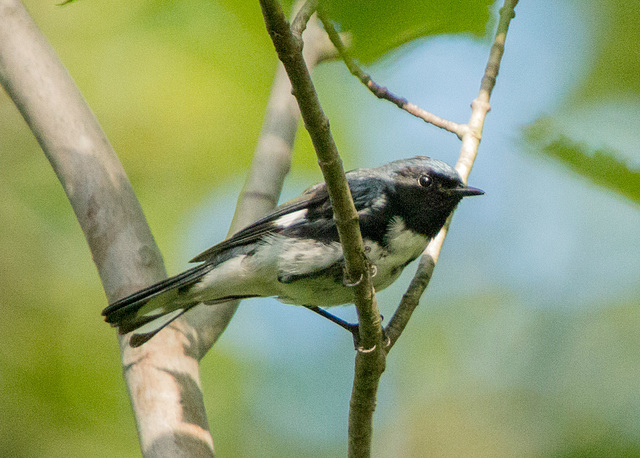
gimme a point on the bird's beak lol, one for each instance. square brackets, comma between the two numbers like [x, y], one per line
[464, 191]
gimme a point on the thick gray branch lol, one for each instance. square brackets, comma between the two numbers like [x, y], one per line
[162, 377]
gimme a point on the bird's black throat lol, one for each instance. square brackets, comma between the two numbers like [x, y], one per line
[423, 212]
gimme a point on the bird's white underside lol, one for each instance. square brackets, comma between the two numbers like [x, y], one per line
[278, 256]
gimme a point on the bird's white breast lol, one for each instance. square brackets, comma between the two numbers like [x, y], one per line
[403, 245]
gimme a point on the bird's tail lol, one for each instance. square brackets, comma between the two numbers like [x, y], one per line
[149, 310]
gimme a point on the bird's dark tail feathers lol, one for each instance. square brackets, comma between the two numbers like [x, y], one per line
[149, 310]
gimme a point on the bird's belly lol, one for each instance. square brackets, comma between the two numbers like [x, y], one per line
[327, 287]
[321, 291]
[305, 272]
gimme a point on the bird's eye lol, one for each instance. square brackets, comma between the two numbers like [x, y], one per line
[424, 181]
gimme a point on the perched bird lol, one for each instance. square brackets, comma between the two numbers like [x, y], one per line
[294, 252]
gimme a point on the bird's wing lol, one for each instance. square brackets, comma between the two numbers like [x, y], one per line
[315, 197]
[315, 222]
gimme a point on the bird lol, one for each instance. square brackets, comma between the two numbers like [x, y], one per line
[294, 252]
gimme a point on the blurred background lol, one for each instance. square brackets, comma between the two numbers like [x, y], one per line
[526, 342]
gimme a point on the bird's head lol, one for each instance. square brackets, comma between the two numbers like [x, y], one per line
[424, 192]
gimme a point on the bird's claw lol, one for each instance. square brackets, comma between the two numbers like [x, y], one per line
[373, 270]
[349, 284]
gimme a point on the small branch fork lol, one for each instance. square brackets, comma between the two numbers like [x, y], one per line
[370, 363]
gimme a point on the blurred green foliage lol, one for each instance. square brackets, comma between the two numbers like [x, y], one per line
[180, 89]
[503, 381]
[601, 167]
[617, 58]
[613, 77]
[379, 26]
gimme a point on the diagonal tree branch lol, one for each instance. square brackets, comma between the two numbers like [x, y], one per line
[289, 49]
[370, 359]
[469, 150]
[382, 92]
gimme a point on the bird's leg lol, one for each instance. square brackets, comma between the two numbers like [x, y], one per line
[351, 327]
[354, 329]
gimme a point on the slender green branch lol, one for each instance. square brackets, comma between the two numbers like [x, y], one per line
[468, 152]
[368, 370]
[382, 92]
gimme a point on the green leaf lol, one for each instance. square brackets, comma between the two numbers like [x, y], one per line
[603, 167]
[378, 26]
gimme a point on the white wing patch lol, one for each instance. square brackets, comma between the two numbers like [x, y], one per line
[304, 257]
[291, 218]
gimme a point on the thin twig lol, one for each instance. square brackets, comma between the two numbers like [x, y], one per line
[468, 152]
[382, 92]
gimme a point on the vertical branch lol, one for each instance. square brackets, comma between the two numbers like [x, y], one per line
[289, 49]
[368, 370]
[162, 378]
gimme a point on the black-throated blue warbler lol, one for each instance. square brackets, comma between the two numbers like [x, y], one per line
[294, 252]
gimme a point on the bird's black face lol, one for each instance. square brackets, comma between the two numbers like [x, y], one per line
[424, 196]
